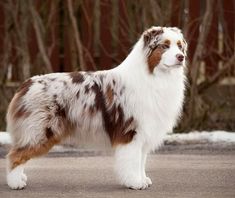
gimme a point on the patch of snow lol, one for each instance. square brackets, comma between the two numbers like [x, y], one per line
[5, 138]
[197, 137]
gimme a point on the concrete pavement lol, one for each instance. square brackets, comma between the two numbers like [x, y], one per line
[173, 175]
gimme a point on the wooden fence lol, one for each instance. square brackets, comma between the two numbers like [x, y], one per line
[109, 28]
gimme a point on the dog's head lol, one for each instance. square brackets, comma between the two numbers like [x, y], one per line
[166, 48]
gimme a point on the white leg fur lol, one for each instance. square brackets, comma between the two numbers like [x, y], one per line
[128, 165]
[143, 173]
[16, 179]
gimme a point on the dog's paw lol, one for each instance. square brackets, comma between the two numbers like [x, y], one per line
[16, 180]
[148, 181]
[137, 185]
[16, 183]
[24, 177]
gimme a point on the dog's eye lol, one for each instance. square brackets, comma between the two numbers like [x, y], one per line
[165, 46]
[180, 46]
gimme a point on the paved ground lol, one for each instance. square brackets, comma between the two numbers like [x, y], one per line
[173, 175]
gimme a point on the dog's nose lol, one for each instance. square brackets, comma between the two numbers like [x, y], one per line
[180, 57]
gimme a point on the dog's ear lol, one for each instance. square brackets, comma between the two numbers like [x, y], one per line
[151, 34]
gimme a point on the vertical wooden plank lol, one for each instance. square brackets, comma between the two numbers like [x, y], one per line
[211, 59]
[138, 13]
[65, 28]
[2, 25]
[53, 34]
[33, 45]
[193, 27]
[123, 31]
[105, 34]
[175, 13]
[87, 32]
[229, 29]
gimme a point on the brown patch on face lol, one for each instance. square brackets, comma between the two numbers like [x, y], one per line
[77, 77]
[167, 42]
[154, 59]
[109, 94]
[119, 129]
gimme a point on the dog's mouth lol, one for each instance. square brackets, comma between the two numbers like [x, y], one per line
[174, 65]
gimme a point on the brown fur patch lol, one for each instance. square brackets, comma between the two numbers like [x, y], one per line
[18, 156]
[60, 111]
[119, 130]
[49, 133]
[86, 89]
[77, 77]
[167, 42]
[154, 59]
[109, 94]
[16, 108]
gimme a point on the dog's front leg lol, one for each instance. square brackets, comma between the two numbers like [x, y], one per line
[145, 151]
[128, 165]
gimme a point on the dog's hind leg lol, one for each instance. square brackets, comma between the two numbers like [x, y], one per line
[17, 157]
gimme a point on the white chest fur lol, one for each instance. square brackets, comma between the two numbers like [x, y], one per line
[156, 102]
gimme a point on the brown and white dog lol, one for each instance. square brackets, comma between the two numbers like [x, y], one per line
[130, 108]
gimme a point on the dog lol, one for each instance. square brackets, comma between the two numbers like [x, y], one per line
[129, 108]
